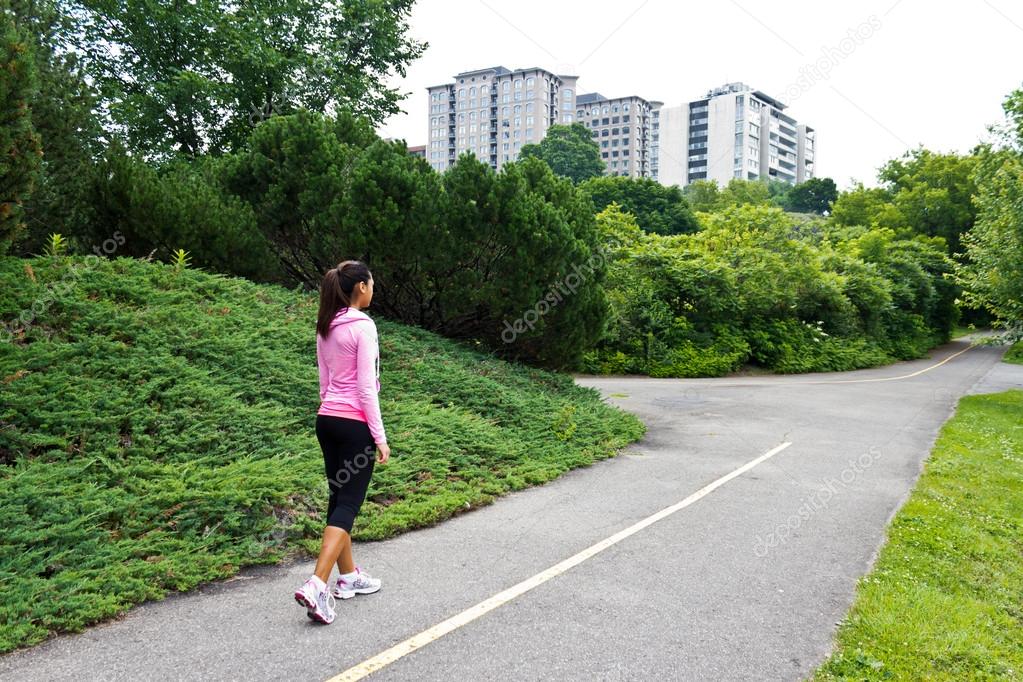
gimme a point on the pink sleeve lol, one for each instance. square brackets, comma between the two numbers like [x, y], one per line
[368, 350]
[322, 365]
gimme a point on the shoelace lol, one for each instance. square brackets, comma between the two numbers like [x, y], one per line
[326, 600]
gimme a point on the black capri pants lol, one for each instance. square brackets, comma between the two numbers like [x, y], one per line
[349, 454]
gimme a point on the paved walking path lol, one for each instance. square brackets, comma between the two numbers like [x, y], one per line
[742, 581]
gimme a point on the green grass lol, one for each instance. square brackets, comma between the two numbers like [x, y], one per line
[1014, 354]
[156, 432]
[945, 599]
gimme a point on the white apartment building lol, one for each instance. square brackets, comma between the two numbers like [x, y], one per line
[625, 129]
[734, 132]
[493, 112]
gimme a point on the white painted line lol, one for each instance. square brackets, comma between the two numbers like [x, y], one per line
[384, 658]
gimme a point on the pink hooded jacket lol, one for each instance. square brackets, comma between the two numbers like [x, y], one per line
[349, 360]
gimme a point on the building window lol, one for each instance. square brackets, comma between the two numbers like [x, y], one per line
[595, 111]
[529, 133]
[567, 94]
[625, 108]
[567, 118]
[518, 83]
[461, 92]
[529, 120]
[605, 109]
[530, 82]
[603, 133]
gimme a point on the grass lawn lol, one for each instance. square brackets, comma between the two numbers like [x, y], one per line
[945, 599]
[1014, 354]
[157, 432]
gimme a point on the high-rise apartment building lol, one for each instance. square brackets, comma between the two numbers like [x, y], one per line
[733, 132]
[625, 129]
[493, 112]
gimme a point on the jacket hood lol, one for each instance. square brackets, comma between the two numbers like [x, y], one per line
[348, 314]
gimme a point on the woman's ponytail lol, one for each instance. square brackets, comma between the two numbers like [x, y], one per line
[336, 291]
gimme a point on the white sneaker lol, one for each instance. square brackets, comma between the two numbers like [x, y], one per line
[319, 603]
[362, 584]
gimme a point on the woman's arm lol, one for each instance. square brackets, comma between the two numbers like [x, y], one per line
[324, 378]
[367, 350]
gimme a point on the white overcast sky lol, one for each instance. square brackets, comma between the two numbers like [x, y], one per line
[919, 72]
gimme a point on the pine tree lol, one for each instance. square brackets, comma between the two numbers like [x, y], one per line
[20, 152]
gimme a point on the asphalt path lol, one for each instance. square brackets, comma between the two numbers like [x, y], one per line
[726, 545]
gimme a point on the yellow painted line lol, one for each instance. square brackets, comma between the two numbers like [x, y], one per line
[720, 383]
[904, 376]
[384, 658]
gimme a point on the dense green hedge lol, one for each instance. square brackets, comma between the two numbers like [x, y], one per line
[756, 285]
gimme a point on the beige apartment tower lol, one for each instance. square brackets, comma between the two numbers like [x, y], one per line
[625, 129]
[493, 112]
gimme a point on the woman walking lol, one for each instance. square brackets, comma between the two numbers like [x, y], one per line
[348, 427]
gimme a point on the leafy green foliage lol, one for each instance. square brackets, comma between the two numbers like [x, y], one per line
[703, 195]
[180, 206]
[657, 208]
[157, 432]
[942, 601]
[69, 132]
[757, 285]
[193, 77]
[467, 254]
[992, 275]
[923, 193]
[57, 245]
[19, 143]
[813, 196]
[569, 150]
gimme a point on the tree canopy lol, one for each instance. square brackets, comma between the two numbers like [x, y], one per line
[657, 208]
[569, 150]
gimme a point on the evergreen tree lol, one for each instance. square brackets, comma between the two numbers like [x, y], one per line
[19, 143]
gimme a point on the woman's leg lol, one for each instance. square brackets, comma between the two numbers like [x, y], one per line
[349, 457]
[330, 550]
[345, 562]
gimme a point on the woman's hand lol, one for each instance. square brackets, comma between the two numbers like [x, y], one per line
[383, 452]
